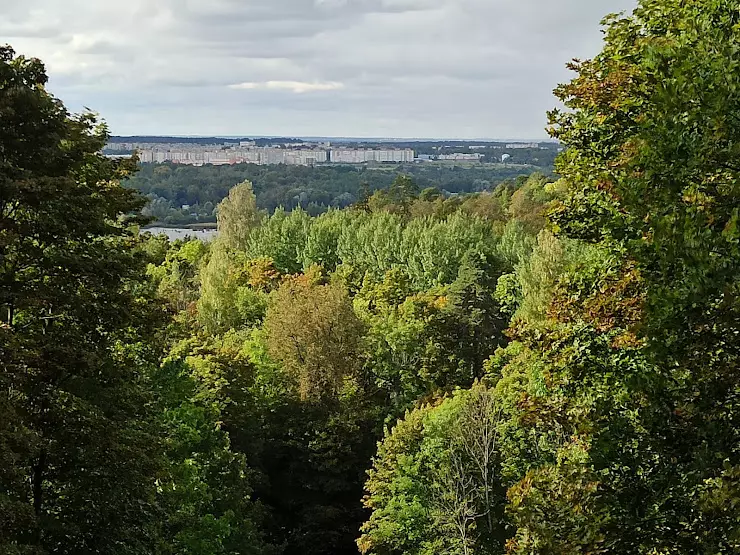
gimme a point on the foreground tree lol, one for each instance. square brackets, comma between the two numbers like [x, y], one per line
[627, 391]
[77, 451]
[205, 495]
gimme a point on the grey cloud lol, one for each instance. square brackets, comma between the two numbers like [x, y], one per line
[315, 67]
[10, 31]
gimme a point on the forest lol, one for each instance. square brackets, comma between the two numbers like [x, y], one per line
[169, 187]
[550, 367]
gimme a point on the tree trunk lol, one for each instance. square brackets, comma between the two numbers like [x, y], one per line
[38, 479]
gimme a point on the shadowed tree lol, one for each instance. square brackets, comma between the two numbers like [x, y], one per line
[77, 449]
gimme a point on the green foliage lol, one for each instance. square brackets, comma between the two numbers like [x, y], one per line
[227, 398]
[623, 400]
[238, 216]
[283, 238]
[397, 198]
[552, 262]
[508, 294]
[322, 240]
[563, 354]
[529, 203]
[400, 521]
[78, 446]
[220, 281]
[344, 346]
[177, 274]
[315, 190]
[417, 344]
[206, 491]
[314, 332]
[433, 486]
[516, 243]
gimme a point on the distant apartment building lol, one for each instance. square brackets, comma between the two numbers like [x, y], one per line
[299, 154]
[360, 156]
[199, 156]
[305, 157]
[146, 156]
[461, 157]
[251, 156]
[291, 157]
[522, 145]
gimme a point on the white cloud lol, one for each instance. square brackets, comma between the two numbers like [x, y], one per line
[297, 87]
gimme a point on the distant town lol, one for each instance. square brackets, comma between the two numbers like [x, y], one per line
[296, 152]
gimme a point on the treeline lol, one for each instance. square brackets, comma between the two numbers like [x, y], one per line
[542, 156]
[550, 368]
[169, 187]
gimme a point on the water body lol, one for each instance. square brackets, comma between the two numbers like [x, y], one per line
[174, 233]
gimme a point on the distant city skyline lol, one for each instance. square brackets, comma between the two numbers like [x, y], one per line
[348, 139]
[333, 69]
[544, 139]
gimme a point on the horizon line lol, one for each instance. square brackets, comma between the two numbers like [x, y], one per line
[339, 137]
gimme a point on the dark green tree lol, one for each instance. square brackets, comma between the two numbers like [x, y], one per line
[363, 194]
[205, 495]
[77, 449]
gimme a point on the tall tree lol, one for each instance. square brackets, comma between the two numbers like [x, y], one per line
[77, 451]
[434, 486]
[238, 215]
[206, 494]
[632, 400]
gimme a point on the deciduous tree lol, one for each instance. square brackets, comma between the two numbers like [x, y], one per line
[313, 330]
[77, 445]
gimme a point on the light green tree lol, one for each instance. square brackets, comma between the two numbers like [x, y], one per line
[434, 486]
[238, 215]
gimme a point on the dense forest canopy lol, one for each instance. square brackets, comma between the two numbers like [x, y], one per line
[171, 187]
[548, 367]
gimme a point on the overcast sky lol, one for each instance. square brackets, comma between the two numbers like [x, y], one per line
[361, 68]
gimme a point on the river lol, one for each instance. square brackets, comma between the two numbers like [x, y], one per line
[174, 233]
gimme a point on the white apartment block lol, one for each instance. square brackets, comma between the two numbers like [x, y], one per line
[198, 155]
[305, 157]
[146, 156]
[249, 155]
[523, 145]
[461, 156]
[360, 156]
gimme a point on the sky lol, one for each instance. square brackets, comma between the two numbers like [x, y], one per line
[336, 68]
